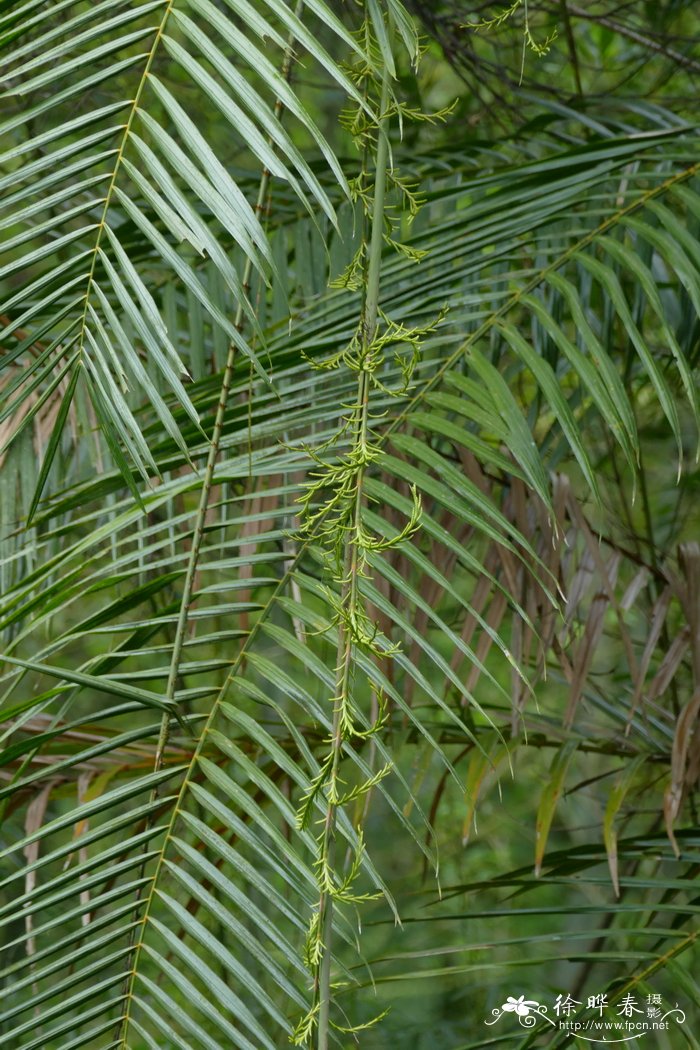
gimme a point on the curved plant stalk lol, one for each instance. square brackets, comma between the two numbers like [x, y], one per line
[205, 493]
[212, 456]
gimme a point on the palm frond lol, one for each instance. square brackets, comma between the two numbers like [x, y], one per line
[566, 287]
[158, 182]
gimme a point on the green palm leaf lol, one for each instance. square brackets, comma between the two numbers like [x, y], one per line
[158, 882]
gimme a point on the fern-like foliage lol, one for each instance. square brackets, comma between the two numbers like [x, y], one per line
[361, 568]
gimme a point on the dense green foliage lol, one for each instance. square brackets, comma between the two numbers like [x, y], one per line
[349, 572]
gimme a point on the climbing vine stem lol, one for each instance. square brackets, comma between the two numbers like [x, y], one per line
[333, 513]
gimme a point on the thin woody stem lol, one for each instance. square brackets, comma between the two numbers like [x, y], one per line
[204, 498]
[212, 456]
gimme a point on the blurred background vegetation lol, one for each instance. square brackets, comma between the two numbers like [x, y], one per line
[560, 805]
